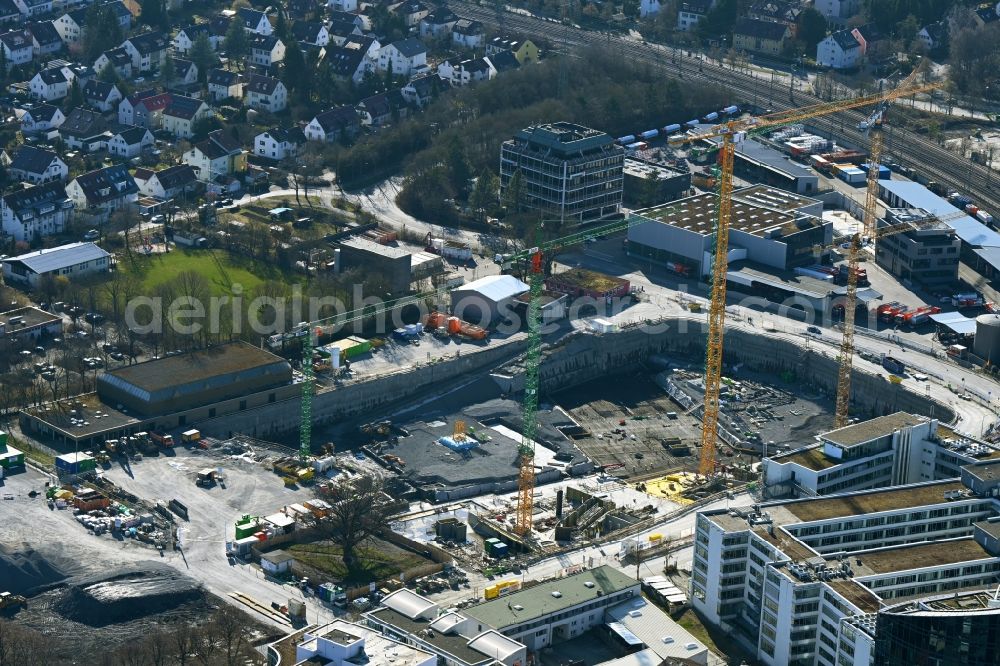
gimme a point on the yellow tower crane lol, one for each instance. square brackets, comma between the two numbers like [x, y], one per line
[731, 133]
[873, 125]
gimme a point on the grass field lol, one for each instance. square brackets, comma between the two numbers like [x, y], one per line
[378, 560]
[221, 269]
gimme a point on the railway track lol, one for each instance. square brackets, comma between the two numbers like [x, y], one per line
[906, 147]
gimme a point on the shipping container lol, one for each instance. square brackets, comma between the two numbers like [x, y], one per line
[246, 526]
[75, 463]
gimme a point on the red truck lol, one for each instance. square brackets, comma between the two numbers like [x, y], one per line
[164, 440]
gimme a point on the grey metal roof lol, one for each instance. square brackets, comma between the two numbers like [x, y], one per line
[410, 47]
[32, 160]
[955, 321]
[43, 261]
[970, 230]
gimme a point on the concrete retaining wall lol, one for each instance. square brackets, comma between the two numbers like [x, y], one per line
[358, 397]
[584, 358]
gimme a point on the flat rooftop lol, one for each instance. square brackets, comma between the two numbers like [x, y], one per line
[968, 601]
[97, 417]
[811, 287]
[452, 644]
[811, 458]
[986, 472]
[368, 245]
[866, 431]
[192, 367]
[649, 171]
[990, 527]
[857, 594]
[771, 197]
[32, 317]
[915, 556]
[875, 501]
[551, 597]
[701, 212]
[582, 278]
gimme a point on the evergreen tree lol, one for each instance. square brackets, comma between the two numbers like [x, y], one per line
[75, 96]
[101, 31]
[203, 56]
[236, 43]
[294, 67]
[169, 71]
[281, 26]
[154, 14]
[108, 74]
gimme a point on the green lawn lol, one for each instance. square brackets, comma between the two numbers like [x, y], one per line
[379, 560]
[221, 269]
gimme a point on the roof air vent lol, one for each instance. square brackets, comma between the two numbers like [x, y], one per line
[556, 593]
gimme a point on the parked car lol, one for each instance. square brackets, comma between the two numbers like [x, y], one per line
[91, 235]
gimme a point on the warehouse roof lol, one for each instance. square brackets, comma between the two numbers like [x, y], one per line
[196, 366]
[30, 316]
[866, 431]
[955, 321]
[653, 627]
[797, 284]
[755, 151]
[43, 261]
[700, 214]
[551, 597]
[970, 230]
[496, 287]
[367, 245]
[772, 197]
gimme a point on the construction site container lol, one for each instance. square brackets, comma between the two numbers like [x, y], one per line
[190, 436]
[884, 173]
[75, 463]
[323, 464]
[241, 547]
[852, 176]
[500, 589]
[354, 346]
[246, 526]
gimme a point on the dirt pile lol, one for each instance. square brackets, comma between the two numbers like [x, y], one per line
[127, 594]
[25, 570]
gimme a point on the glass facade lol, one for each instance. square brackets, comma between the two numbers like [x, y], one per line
[938, 638]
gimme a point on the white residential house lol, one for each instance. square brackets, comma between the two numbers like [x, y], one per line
[461, 74]
[839, 50]
[421, 90]
[343, 5]
[352, 61]
[278, 143]
[332, 125]
[405, 57]
[182, 114]
[34, 165]
[36, 212]
[18, 47]
[70, 26]
[185, 37]
[148, 51]
[691, 12]
[382, 108]
[144, 108]
[118, 59]
[104, 190]
[254, 21]
[837, 11]
[31, 8]
[311, 33]
[468, 34]
[266, 50]
[101, 95]
[130, 142]
[648, 8]
[217, 157]
[266, 93]
[412, 11]
[186, 72]
[51, 84]
[168, 183]
[339, 31]
[39, 118]
[223, 84]
[438, 23]
[933, 35]
[45, 39]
